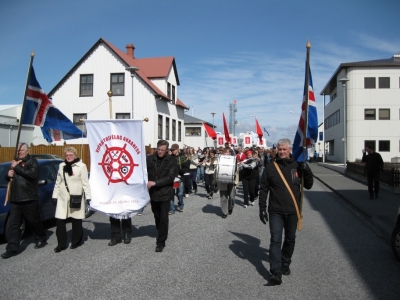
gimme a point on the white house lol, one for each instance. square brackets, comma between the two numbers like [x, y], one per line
[141, 88]
[195, 134]
[368, 104]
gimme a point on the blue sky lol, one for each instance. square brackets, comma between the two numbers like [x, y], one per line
[252, 51]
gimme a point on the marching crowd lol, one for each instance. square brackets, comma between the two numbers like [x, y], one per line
[270, 175]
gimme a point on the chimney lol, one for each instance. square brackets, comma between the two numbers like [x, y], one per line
[130, 50]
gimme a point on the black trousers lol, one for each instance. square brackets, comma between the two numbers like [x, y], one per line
[30, 211]
[116, 225]
[160, 210]
[61, 232]
[373, 183]
[249, 185]
[208, 179]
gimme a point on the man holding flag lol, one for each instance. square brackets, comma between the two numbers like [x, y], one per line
[284, 180]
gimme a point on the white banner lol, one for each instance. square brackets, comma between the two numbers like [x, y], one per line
[247, 141]
[118, 171]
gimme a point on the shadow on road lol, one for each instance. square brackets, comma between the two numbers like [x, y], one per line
[249, 248]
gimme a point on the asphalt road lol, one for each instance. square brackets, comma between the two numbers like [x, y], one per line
[338, 255]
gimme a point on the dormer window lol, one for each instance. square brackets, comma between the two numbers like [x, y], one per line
[169, 90]
[173, 94]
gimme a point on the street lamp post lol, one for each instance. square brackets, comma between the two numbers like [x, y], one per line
[343, 81]
[132, 70]
[213, 114]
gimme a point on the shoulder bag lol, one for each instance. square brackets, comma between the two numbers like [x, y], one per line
[299, 215]
[75, 201]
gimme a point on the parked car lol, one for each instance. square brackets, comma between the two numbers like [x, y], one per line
[48, 169]
[396, 237]
[46, 156]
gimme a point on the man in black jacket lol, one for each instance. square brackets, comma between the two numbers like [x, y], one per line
[374, 164]
[183, 168]
[281, 208]
[24, 201]
[162, 170]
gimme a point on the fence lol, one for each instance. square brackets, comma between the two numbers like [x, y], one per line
[7, 153]
[390, 174]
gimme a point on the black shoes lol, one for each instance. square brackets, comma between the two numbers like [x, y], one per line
[224, 216]
[275, 279]
[59, 249]
[40, 244]
[286, 271]
[74, 246]
[159, 248]
[9, 254]
[376, 196]
[127, 238]
[230, 212]
[114, 242]
[371, 196]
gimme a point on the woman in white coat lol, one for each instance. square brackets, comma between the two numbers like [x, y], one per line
[75, 173]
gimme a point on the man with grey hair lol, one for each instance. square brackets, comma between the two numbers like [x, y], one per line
[24, 201]
[281, 208]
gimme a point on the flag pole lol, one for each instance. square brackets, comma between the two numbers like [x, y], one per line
[23, 103]
[19, 126]
[305, 103]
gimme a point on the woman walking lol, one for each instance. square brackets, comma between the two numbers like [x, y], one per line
[72, 179]
[209, 169]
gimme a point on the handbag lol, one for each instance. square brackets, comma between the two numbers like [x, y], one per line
[75, 201]
[299, 215]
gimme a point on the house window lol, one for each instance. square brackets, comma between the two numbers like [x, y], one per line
[117, 84]
[167, 129]
[193, 131]
[384, 82]
[332, 120]
[370, 143]
[384, 146]
[174, 130]
[321, 136]
[122, 116]
[86, 85]
[169, 90]
[179, 131]
[369, 114]
[384, 114]
[160, 128]
[77, 119]
[369, 82]
[173, 94]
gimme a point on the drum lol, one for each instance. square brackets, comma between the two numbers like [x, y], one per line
[226, 169]
[177, 183]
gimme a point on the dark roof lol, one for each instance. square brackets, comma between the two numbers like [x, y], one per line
[147, 69]
[388, 62]
[192, 120]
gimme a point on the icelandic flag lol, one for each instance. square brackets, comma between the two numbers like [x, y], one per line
[312, 130]
[40, 111]
[265, 130]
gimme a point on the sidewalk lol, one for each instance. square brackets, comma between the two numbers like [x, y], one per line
[382, 211]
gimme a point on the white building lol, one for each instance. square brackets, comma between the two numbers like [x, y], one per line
[141, 88]
[195, 134]
[372, 110]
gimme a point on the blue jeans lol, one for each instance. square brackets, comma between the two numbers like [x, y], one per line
[179, 194]
[281, 257]
[200, 174]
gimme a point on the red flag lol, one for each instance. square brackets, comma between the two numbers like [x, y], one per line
[226, 131]
[259, 131]
[211, 133]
